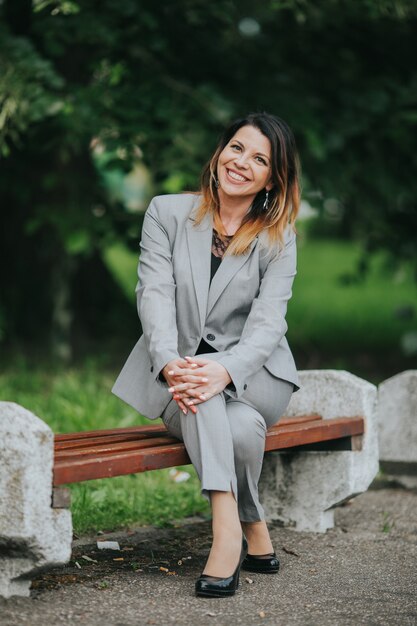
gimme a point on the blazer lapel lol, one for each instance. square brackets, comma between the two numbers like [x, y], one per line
[229, 266]
[199, 240]
[199, 247]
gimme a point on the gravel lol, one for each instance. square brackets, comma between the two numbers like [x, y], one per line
[361, 572]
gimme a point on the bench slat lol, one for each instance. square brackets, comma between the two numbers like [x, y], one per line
[97, 441]
[120, 462]
[119, 446]
[74, 439]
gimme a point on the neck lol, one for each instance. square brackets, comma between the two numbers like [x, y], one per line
[233, 210]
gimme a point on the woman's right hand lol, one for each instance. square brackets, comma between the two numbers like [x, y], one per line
[180, 371]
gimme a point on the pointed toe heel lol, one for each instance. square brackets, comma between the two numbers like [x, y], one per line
[216, 587]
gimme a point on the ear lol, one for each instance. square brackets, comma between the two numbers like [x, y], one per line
[269, 186]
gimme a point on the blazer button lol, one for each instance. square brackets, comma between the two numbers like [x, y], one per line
[151, 368]
[245, 386]
[211, 337]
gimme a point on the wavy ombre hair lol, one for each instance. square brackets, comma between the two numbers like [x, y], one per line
[284, 197]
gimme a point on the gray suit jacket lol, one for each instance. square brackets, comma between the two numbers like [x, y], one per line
[242, 313]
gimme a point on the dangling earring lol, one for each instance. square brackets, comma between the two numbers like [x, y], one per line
[266, 203]
[216, 181]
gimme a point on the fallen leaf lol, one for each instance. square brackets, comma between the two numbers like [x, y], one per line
[289, 551]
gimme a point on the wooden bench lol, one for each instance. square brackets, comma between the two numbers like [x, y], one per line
[105, 453]
[320, 463]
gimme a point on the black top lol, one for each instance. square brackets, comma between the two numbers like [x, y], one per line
[218, 248]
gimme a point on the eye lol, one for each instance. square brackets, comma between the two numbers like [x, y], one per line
[261, 160]
[235, 146]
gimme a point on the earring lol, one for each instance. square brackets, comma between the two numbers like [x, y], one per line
[266, 203]
[216, 181]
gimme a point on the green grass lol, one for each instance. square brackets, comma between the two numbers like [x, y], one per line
[79, 399]
[344, 318]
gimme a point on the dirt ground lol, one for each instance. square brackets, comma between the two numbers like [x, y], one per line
[364, 571]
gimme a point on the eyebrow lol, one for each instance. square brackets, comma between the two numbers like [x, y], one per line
[260, 153]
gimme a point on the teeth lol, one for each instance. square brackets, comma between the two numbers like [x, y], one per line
[236, 176]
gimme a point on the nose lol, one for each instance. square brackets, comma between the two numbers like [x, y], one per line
[240, 160]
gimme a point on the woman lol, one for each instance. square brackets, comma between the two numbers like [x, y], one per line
[215, 275]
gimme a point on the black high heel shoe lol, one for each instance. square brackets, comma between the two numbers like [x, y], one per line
[216, 587]
[261, 564]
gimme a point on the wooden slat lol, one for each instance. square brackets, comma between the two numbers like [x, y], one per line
[114, 438]
[124, 434]
[120, 462]
[120, 446]
[323, 430]
[85, 434]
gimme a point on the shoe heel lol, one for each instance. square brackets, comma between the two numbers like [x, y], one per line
[210, 586]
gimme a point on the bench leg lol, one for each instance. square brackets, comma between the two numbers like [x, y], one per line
[33, 535]
[301, 489]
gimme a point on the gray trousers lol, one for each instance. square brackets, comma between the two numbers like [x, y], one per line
[225, 439]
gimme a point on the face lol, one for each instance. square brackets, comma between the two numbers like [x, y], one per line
[244, 165]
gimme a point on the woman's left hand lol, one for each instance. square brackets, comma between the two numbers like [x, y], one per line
[217, 379]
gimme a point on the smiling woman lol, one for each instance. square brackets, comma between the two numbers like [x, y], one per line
[242, 168]
[215, 276]
[254, 174]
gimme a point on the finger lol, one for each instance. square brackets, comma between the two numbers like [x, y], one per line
[183, 401]
[190, 378]
[182, 372]
[181, 387]
[197, 360]
[182, 406]
[185, 364]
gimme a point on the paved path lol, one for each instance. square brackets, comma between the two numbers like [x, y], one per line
[361, 572]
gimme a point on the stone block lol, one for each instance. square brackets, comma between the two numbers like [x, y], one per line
[302, 488]
[397, 428]
[33, 535]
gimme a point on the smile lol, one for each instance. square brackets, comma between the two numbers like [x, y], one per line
[236, 177]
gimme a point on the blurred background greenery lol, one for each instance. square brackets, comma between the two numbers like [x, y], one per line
[103, 106]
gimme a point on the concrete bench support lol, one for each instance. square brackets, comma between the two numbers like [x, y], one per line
[302, 488]
[33, 535]
[397, 425]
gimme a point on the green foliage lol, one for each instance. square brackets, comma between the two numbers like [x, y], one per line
[335, 312]
[29, 89]
[152, 84]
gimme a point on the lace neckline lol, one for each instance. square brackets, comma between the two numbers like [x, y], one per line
[220, 243]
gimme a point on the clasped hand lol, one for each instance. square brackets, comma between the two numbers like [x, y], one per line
[193, 380]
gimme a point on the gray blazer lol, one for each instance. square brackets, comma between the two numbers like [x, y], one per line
[242, 313]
